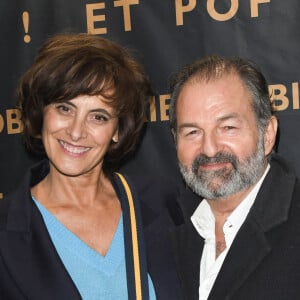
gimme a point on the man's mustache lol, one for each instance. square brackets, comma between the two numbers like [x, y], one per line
[220, 157]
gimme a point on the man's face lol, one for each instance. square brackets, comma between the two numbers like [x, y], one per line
[219, 147]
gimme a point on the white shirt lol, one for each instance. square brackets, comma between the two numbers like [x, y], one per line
[204, 222]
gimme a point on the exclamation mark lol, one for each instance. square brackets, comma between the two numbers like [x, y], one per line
[25, 17]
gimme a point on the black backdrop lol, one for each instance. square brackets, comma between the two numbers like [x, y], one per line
[165, 34]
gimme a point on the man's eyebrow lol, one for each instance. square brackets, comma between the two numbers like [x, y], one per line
[228, 117]
[219, 119]
[187, 125]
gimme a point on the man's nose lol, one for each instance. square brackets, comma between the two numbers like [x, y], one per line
[210, 144]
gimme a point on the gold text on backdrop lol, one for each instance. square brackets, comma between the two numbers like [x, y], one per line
[279, 98]
[25, 19]
[182, 6]
[13, 121]
[93, 17]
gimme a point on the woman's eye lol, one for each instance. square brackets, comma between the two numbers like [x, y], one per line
[100, 118]
[63, 108]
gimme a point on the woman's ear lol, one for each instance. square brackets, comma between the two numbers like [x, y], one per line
[115, 137]
[270, 135]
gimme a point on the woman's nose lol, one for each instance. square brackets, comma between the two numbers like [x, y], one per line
[77, 129]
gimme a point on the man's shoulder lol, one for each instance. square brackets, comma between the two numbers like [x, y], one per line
[278, 193]
[282, 166]
[153, 192]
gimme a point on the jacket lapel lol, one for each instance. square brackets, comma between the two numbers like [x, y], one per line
[161, 264]
[28, 253]
[247, 251]
[188, 247]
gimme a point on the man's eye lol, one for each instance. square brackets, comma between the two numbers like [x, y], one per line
[192, 132]
[229, 127]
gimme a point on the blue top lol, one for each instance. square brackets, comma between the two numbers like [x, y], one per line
[96, 277]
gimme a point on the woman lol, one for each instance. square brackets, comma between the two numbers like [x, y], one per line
[72, 230]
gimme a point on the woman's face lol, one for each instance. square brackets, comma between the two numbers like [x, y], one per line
[77, 133]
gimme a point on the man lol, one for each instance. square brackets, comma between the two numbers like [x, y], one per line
[240, 234]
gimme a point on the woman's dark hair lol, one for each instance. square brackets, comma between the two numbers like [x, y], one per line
[70, 65]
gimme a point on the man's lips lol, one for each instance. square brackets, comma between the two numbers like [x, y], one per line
[214, 165]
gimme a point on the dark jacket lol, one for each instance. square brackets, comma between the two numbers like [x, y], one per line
[264, 259]
[30, 267]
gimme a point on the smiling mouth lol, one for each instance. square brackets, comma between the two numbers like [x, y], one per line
[74, 149]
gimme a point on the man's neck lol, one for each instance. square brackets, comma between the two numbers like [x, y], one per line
[222, 209]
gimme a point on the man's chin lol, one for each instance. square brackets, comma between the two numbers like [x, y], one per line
[215, 178]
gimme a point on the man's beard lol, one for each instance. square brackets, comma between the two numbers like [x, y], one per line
[226, 181]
